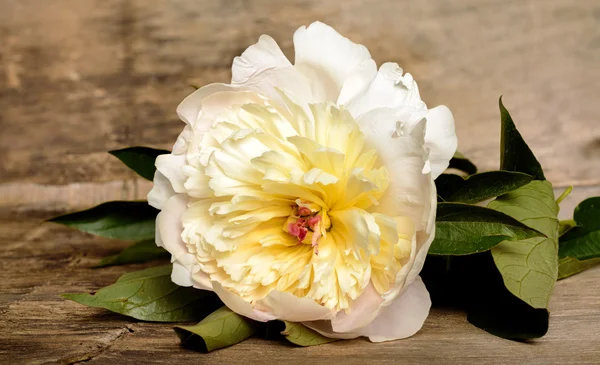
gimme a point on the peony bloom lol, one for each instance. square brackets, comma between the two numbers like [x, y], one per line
[305, 192]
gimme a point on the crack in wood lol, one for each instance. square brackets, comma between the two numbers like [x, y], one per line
[91, 355]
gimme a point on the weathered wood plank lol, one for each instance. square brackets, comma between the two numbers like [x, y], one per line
[84, 76]
[40, 262]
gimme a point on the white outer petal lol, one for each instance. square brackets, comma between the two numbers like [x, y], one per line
[440, 138]
[262, 56]
[326, 58]
[239, 305]
[403, 317]
[389, 89]
[189, 109]
[357, 81]
[362, 312]
[161, 191]
[171, 167]
[400, 319]
[168, 235]
[424, 238]
[289, 307]
[404, 158]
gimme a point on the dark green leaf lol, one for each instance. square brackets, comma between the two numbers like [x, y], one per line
[301, 335]
[150, 295]
[493, 308]
[461, 163]
[473, 283]
[515, 155]
[583, 241]
[220, 329]
[529, 267]
[119, 219]
[139, 159]
[568, 266]
[479, 187]
[463, 229]
[137, 253]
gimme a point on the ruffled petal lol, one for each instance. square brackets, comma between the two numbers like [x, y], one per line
[289, 307]
[326, 58]
[403, 317]
[440, 138]
[239, 305]
[262, 56]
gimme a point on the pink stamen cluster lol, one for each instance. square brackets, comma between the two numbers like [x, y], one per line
[305, 222]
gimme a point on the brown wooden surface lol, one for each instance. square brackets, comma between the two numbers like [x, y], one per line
[78, 77]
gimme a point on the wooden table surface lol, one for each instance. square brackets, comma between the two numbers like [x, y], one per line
[79, 77]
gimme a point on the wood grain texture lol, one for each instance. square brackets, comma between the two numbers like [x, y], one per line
[79, 77]
[38, 327]
[84, 76]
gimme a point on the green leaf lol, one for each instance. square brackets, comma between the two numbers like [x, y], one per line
[583, 241]
[492, 307]
[461, 163]
[569, 266]
[530, 267]
[301, 335]
[515, 155]
[220, 329]
[473, 283]
[139, 252]
[463, 229]
[119, 219]
[150, 295]
[139, 159]
[479, 187]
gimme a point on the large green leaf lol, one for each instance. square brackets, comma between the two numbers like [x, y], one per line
[139, 159]
[569, 266]
[530, 267]
[119, 219]
[479, 187]
[220, 329]
[150, 295]
[462, 163]
[463, 229]
[301, 335]
[583, 241]
[137, 253]
[515, 154]
[473, 283]
[492, 307]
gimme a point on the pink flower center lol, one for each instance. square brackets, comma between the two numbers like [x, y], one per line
[302, 222]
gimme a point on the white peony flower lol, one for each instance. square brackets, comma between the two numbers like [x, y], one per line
[305, 192]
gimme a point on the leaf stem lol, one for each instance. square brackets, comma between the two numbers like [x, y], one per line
[564, 194]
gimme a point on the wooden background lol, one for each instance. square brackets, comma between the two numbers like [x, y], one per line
[79, 77]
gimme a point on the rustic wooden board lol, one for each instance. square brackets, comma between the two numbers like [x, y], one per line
[83, 76]
[79, 77]
[41, 261]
